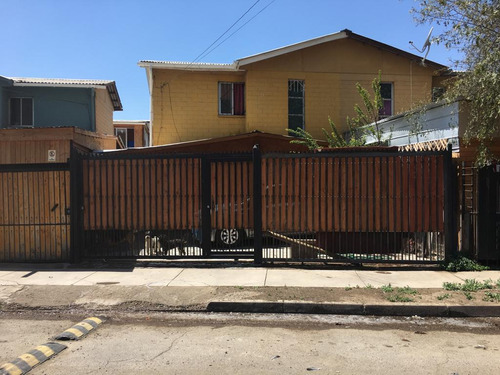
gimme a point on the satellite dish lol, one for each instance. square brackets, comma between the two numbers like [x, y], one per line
[426, 46]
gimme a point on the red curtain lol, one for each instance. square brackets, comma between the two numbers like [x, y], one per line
[239, 98]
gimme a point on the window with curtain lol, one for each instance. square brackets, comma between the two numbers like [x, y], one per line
[232, 98]
[387, 105]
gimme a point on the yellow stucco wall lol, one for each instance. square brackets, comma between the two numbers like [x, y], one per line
[185, 104]
[330, 72]
[103, 112]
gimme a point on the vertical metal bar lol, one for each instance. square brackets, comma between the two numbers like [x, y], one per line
[257, 203]
[449, 206]
[206, 194]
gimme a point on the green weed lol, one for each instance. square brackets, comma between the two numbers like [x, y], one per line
[468, 295]
[443, 296]
[387, 288]
[399, 298]
[491, 297]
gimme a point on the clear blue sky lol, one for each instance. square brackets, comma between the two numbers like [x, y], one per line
[104, 39]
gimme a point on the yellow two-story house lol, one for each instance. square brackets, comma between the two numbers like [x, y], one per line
[300, 85]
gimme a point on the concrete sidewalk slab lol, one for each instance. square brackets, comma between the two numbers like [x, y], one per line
[480, 276]
[137, 276]
[312, 278]
[220, 277]
[35, 277]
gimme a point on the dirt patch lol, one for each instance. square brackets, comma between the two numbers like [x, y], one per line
[434, 296]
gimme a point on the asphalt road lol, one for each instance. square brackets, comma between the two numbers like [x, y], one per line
[178, 343]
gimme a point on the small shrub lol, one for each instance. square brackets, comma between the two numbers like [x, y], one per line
[461, 263]
[348, 288]
[369, 286]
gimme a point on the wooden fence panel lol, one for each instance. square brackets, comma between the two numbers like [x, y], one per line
[390, 193]
[34, 222]
[141, 194]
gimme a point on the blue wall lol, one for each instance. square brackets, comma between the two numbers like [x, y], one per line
[53, 106]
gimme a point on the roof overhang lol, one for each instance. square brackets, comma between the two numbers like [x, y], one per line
[176, 65]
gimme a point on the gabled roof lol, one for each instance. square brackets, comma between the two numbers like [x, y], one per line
[64, 82]
[240, 63]
[329, 38]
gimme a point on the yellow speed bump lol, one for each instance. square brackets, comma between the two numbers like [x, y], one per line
[24, 363]
[79, 330]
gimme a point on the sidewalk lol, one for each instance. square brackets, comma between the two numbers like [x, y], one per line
[191, 287]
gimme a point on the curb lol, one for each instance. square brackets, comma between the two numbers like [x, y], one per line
[291, 307]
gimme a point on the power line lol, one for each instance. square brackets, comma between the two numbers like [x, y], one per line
[206, 54]
[225, 32]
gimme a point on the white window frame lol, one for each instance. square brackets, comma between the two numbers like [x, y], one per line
[232, 97]
[21, 111]
[126, 135]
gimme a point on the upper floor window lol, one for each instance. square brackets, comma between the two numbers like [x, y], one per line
[232, 98]
[126, 136]
[21, 112]
[386, 92]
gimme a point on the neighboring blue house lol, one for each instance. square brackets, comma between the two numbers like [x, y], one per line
[41, 117]
[47, 102]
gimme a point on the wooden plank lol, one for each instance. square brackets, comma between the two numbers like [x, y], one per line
[131, 202]
[183, 192]
[177, 194]
[137, 212]
[158, 198]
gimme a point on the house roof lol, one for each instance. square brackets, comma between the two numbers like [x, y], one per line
[64, 82]
[187, 65]
[240, 63]
[329, 38]
[268, 143]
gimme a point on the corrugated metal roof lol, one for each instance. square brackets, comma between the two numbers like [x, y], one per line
[187, 65]
[61, 81]
[66, 82]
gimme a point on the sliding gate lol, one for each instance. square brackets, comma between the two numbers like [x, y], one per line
[356, 207]
[169, 206]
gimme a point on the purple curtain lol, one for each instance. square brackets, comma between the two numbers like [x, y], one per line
[239, 98]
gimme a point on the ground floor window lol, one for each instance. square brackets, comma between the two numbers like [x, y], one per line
[231, 98]
[21, 112]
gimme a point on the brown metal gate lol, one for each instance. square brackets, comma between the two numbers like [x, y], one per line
[357, 206]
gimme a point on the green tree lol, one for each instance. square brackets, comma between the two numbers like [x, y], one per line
[357, 126]
[472, 27]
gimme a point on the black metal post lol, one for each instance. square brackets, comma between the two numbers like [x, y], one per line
[76, 204]
[206, 205]
[450, 206]
[257, 203]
